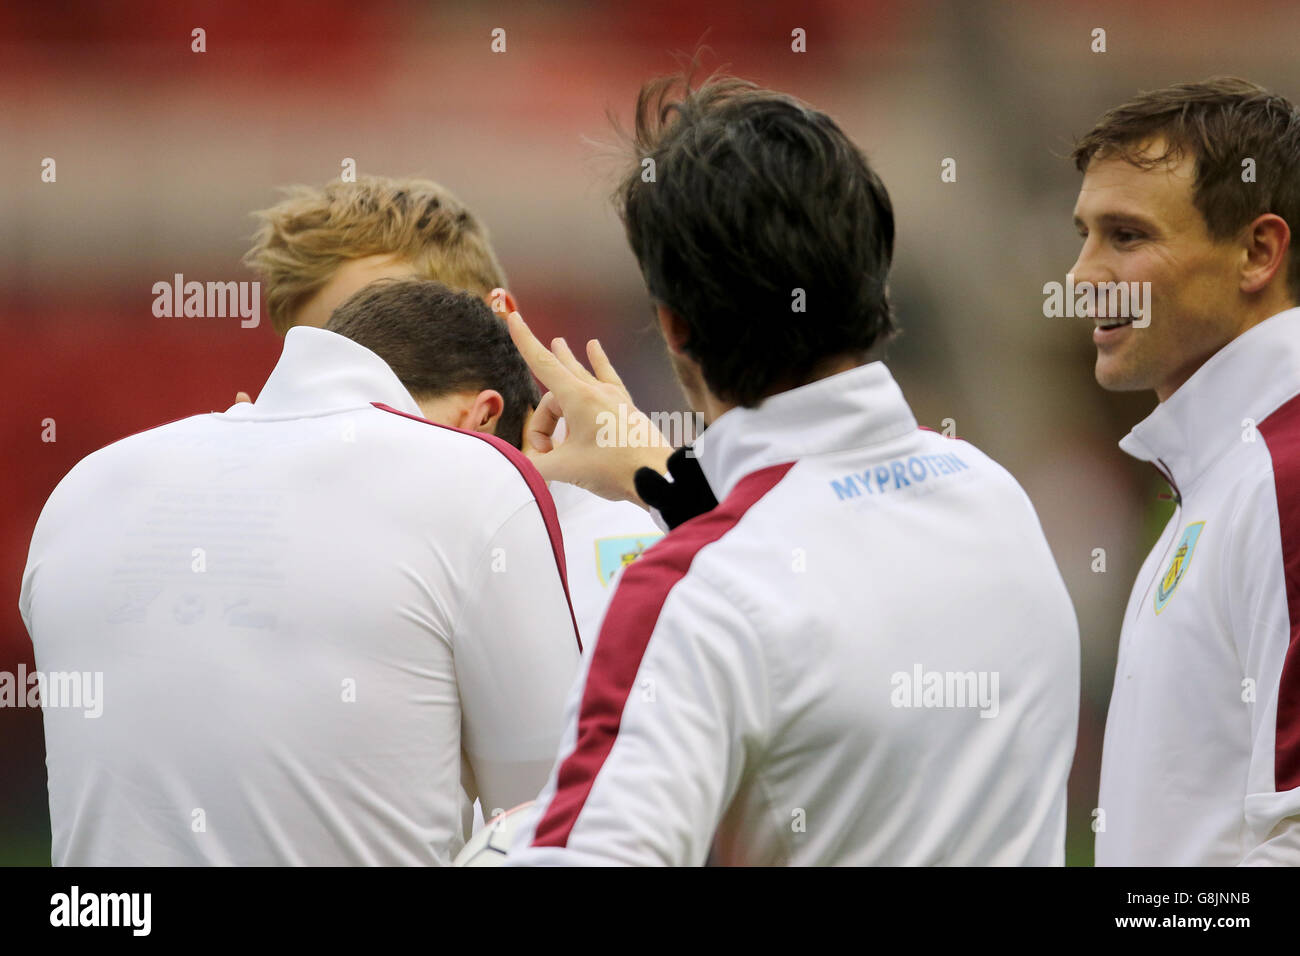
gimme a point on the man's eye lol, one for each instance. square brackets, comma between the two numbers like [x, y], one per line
[1125, 235]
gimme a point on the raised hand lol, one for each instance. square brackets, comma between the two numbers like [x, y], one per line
[597, 452]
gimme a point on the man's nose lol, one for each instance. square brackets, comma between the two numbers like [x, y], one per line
[1087, 267]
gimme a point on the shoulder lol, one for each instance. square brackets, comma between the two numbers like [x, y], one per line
[963, 455]
[109, 474]
[684, 557]
[422, 430]
[598, 517]
[1254, 493]
[135, 450]
[1279, 433]
[1258, 480]
[481, 454]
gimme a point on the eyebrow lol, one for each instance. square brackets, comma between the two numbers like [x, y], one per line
[1121, 219]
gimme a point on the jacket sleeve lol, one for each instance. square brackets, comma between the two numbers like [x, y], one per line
[659, 731]
[1261, 575]
[516, 656]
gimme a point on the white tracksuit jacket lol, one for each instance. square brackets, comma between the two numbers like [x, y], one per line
[1201, 762]
[315, 618]
[864, 654]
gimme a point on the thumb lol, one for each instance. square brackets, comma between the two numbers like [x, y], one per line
[539, 429]
[556, 464]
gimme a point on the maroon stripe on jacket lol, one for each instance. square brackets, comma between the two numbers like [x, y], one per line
[1281, 431]
[536, 484]
[629, 621]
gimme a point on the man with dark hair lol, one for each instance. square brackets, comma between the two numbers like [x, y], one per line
[318, 617]
[1191, 192]
[758, 306]
[863, 653]
[453, 355]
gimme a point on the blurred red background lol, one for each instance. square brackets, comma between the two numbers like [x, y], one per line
[162, 153]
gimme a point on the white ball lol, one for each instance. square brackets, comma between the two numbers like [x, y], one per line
[488, 847]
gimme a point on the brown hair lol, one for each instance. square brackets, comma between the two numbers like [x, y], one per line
[1221, 122]
[756, 202]
[305, 237]
[439, 341]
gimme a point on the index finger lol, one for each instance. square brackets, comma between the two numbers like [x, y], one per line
[540, 359]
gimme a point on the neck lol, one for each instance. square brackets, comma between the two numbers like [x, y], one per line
[1251, 317]
[1266, 310]
[715, 406]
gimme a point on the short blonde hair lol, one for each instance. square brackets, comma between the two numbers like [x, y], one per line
[303, 239]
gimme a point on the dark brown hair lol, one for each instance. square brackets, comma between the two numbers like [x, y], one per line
[1221, 122]
[755, 196]
[438, 341]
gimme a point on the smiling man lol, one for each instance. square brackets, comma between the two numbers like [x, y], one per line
[1195, 189]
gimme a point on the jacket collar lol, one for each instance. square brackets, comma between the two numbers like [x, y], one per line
[320, 372]
[853, 409]
[1236, 389]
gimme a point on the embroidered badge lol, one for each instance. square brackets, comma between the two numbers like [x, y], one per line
[1178, 566]
[615, 553]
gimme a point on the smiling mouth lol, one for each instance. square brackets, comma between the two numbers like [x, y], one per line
[1112, 323]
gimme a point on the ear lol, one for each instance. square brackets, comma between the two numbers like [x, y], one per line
[1267, 240]
[674, 329]
[484, 412]
[501, 301]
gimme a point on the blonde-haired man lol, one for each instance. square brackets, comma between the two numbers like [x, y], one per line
[319, 245]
